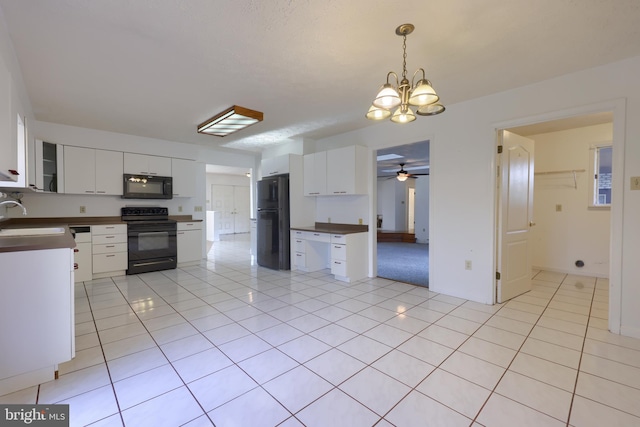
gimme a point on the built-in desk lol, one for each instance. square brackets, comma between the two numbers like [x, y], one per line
[342, 249]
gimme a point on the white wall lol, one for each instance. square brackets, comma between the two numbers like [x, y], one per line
[560, 238]
[386, 194]
[463, 183]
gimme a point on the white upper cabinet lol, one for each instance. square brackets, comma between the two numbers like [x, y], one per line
[147, 165]
[345, 172]
[109, 170]
[315, 174]
[275, 165]
[79, 172]
[184, 177]
[91, 171]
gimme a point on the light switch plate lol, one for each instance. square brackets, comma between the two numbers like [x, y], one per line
[635, 182]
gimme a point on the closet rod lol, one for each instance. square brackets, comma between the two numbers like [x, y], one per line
[557, 172]
[572, 171]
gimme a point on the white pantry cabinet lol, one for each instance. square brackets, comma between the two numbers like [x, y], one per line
[347, 170]
[315, 174]
[184, 177]
[37, 326]
[189, 242]
[92, 171]
[145, 164]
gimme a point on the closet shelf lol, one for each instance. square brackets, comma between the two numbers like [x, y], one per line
[571, 171]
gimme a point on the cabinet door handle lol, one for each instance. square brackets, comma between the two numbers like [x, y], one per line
[109, 256]
[76, 250]
[75, 265]
[109, 237]
[337, 262]
[110, 246]
[101, 192]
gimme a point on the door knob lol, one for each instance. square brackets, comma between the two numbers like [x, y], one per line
[531, 223]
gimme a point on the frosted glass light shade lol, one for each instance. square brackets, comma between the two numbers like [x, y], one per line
[376, 113]
[388, 97]
[423, 94]
[430, 110]
[405, 116]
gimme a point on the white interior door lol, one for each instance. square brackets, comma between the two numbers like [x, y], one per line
[515, 215]
[222, 201]
[241, 198]
[411, 208]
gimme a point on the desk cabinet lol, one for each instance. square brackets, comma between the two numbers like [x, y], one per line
[345, 254]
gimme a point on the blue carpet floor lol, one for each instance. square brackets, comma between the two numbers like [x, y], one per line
[404, 262]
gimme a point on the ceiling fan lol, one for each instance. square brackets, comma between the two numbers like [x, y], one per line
[402, 174]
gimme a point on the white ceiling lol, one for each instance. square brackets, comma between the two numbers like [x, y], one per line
[157, 68]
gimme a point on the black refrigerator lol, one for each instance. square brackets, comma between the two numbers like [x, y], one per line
[273, 223]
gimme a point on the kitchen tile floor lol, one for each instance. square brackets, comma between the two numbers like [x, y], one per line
[228, 343]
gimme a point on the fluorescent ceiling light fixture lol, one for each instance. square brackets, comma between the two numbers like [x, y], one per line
[389, 157]
[403, 94]
[229, 121]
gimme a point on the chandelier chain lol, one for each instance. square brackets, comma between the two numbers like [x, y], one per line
[404, 56]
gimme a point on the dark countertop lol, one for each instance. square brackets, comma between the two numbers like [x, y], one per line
[36, 243]
[80, 220]
[31, 243]
[334, 228]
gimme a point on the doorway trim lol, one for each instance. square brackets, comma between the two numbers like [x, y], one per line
[618, 108]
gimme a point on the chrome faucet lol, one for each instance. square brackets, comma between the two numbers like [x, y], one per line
[13, 202]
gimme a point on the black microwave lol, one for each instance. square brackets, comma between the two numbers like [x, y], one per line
[147, 187]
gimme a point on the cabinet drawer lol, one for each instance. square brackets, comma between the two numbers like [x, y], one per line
[103, 263]
[318, 237]
[339, 238]
[184, 226]
[300, 260]
[102, 239]
[339, 268]
[109, 248]
[299, 245]
[109, 229]
[338, 252]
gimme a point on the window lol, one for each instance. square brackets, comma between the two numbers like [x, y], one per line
[601, 162]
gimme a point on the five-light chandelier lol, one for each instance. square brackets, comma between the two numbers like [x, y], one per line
[421, 94]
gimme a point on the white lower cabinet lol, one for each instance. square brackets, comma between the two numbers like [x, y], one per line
[310, 250]
[109, 247]
[37, 327]
[82, 259]
[189, 237]
[345, 254]
[349, 256]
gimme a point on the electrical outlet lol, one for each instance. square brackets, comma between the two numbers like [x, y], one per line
[467, 264]
[197, 209]
[83, 209]
[360, 221]
[179, 208]
[558, 208]
[329, 220]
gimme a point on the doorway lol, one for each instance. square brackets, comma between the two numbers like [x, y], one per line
[569, 234]
[402, 213]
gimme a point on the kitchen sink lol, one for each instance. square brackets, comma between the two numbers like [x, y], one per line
[32, 231]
